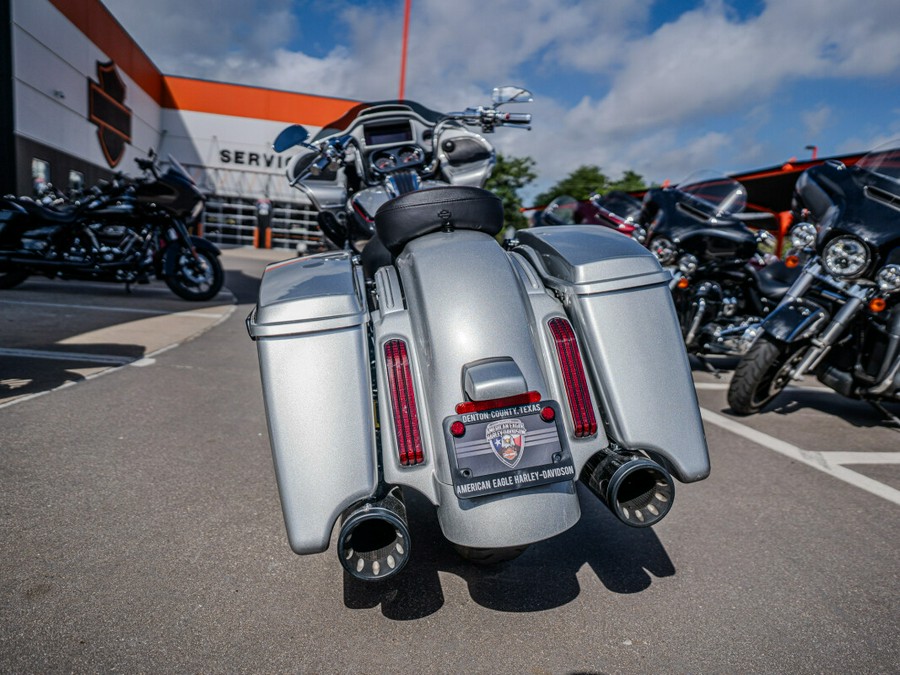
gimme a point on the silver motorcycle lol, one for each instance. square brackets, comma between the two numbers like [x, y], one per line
[426, 356]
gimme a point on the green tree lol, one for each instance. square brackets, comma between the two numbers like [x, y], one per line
[585, 181]
[629, 182]
[509, 176]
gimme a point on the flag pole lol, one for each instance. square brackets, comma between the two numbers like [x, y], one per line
[403, 56]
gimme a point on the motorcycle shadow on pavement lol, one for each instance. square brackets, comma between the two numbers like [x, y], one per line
[624, 559]
[717, 365]
[858, 413]
[244, 287]
[21, 377]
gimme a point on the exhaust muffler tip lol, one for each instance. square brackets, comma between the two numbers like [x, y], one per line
[638, 490]
[373, 542]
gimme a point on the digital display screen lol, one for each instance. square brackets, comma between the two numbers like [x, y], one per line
[395, 132]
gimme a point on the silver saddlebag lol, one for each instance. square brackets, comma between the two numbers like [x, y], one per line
[617, 297]
[310, 327]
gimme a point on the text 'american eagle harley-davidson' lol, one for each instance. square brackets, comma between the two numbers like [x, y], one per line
[487, 378]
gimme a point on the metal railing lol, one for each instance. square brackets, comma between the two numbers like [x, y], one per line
[240, 221]
[239, 211]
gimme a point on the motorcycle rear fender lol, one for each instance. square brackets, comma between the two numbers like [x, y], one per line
[618, 299]
[172, 253]
[459, 300]
[310, 327]
[795, 320]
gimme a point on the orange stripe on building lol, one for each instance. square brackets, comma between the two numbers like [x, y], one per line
[101, 28]
[238, 100]
[182, 93]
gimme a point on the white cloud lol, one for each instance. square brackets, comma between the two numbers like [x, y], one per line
[653, 100]
[817, 120]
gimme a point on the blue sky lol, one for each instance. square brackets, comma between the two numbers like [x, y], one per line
[663, 88]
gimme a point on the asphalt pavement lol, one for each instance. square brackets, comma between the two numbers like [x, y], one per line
[141, 528]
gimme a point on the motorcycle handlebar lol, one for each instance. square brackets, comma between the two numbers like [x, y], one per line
[488, 118]
[331, 155]
[515, 118]
[320, 165]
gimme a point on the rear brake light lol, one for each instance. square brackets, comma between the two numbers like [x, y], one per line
[577, 391]
[495, 403]
[403, 403]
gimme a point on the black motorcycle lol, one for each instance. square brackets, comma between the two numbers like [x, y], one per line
[126, 230]
[841, 318]
[721, 282]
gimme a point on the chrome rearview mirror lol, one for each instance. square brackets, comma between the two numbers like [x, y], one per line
[293, 135]
[510, 94]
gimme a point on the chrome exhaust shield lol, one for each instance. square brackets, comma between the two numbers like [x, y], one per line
[638, 490]
[373, 542]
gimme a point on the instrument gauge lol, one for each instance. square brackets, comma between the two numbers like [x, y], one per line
[384, 162]
[410, 155]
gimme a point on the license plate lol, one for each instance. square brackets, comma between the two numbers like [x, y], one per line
[507, 449]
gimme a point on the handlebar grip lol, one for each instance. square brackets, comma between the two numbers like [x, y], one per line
[516, 118]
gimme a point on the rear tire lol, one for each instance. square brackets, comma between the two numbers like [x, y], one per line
[762, 374]
[12, 279]
[489, 556]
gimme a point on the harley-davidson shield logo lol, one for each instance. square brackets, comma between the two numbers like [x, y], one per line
[107, 109]
[507, 438]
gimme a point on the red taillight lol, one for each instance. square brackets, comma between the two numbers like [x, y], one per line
[577, 391]
[496, 403]
[403, 403]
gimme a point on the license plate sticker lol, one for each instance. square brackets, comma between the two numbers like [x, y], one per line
[508, 449]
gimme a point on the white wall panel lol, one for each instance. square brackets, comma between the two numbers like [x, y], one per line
[51, 55]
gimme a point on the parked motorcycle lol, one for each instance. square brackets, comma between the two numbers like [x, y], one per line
[488, 379]
[616, 209]
[722, 285]
[125, 231]
[841, 318]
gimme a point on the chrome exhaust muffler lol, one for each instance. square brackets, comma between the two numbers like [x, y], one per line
[373, 542]
[638, 490]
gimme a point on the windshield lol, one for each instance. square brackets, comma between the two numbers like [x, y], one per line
[342, 123]
[177, 167]
[620, 205]
[883, 161]
[725, 195]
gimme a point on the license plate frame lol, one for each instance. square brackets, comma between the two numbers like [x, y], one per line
[483, 462]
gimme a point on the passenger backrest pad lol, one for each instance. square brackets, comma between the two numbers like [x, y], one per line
[421, 212]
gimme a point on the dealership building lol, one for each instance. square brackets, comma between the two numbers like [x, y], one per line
[80, 100]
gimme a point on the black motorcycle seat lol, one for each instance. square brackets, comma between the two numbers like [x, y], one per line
[374, 255]
[775, 279]
[64, 215]
[422, 212]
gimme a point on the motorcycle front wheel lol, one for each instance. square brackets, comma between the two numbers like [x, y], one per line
[198, 278]
[12, 279]
[762, 374]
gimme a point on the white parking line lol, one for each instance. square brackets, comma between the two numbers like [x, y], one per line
[823, 461]
[104, 308]
[66, 356]
[840, 457]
